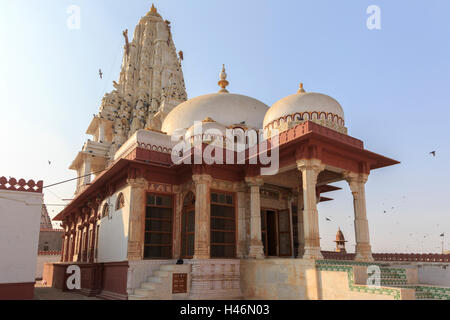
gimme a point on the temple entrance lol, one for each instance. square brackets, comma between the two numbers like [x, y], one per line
[276, 232]
[188, 227]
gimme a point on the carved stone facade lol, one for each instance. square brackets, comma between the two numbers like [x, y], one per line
[150, 85]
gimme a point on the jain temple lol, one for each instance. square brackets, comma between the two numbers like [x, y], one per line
[216, 197]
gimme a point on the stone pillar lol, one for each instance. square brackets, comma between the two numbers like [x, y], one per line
[202, 216]
[72, 246]
[86, 241]
[93, 222]
[363, 251]
[65, 247]
[242, 228]
[101, 132]
[87, 170]
[256, 250]
[300, 226]
[79, 236]
[138, 197]
[176, 243]
[310, 170]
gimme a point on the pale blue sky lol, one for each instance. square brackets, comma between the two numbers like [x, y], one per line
[393, 84]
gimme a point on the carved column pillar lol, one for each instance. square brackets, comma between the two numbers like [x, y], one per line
[63, 250]
[72, 246]
[79, 236]
[256, 250]
[101, 131]
[300, 226]
[310, 170]
[177, 221]
[202, 249]
[242, 229]
[357, 183]
[87, 169]
[93, 223]
[138, 195]
[86, 241]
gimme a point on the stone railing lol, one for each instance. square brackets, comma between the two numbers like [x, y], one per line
[22, 185]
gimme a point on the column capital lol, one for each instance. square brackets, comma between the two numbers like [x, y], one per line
[239, 187]
[355, 179]
[254, 181]
[138, 183]
[310, 164]
[202, 178]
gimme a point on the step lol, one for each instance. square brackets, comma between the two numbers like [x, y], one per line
[154, 279]
[149, 285]
[137, 297]
[161, 273]
[143, 292]
[167, 267]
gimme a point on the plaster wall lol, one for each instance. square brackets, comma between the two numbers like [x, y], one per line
[438, 275]
[114, 228]
[42, 260]
[19, 235]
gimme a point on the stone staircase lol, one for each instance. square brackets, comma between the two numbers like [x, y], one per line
[159, 284]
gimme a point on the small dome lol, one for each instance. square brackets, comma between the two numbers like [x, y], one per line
[304, 106]
[225, 108]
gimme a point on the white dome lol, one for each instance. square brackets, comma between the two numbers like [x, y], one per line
[306, 106]
[224, 108]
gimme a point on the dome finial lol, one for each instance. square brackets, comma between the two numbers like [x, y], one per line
[223, 83]
[301, 90]
[153, 9]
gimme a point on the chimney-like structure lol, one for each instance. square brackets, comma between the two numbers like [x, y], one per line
[340, 242]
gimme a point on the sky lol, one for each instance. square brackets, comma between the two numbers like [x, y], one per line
[393, 84]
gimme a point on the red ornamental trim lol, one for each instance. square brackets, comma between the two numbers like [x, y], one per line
[21, 185]
[154, 147]
[49, 253]
[308, 116]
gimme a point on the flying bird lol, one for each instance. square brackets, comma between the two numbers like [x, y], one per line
[100, 73]
[327, 219]
[49, 162]
[433, 153]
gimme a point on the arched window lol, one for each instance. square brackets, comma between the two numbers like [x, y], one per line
[105, 211]
[120, 203]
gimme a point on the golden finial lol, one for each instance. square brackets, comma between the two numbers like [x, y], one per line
[153, 9]
[208, 120]
[301, 90]
[223, 83]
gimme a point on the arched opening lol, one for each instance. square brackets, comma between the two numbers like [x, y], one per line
[188, 227]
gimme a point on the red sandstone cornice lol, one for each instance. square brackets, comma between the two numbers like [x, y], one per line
[51, 230]
[49, 253]
[22, 185]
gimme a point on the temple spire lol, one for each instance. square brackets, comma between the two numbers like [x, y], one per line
[223, 83]
[153, 10]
